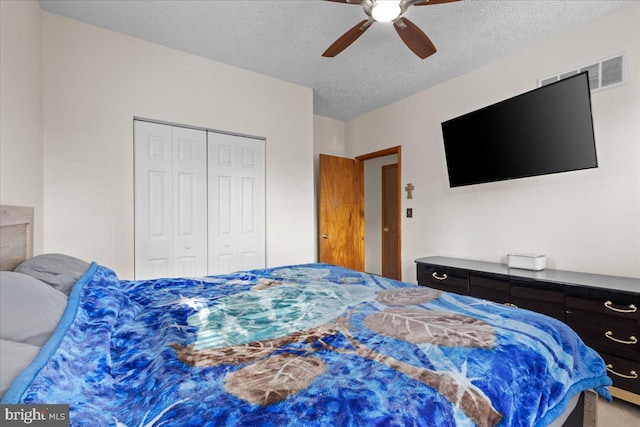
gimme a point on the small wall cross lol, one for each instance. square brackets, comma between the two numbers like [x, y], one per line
[409, 189]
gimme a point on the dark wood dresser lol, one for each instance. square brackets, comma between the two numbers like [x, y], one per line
[603, 310]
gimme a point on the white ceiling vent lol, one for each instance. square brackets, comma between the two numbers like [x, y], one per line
[606, 73]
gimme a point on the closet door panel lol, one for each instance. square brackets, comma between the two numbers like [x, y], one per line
[236, 203]
[223, 215]
[223, 205]
[190, 201]
[252, 203]
[158, 190]
[153, 169]
[170, 205]
[226, 263]
[199, 201]
[155, 268]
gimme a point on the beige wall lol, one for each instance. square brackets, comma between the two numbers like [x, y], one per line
[585, 220]
[96, 81]
[328, 136]
[21, 180]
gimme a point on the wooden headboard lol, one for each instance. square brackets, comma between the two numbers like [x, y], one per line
[16, 235]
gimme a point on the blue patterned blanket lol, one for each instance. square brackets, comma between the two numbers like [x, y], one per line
[306, 345]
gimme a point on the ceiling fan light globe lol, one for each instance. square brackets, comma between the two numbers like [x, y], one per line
[386, 10]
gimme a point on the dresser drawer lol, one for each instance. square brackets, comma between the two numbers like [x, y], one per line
[541, 297]
[624, 373]
[604, 302]
[492, 287]
[605, 333]
[444, 278]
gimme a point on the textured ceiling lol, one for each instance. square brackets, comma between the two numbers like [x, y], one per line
[285, 39]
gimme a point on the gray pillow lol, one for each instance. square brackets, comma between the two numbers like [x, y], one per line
[29, 309]
[15, 356]
[59, 270]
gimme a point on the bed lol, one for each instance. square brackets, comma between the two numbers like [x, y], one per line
[304, 345]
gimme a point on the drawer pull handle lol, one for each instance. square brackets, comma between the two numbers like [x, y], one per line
[632, 339]
[435, 276]
[633, 375]
[632, 308]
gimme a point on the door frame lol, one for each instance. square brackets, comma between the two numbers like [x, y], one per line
[382, 153]
[385, 220]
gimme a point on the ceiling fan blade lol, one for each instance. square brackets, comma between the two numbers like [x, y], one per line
[347, 1]
[347, 38]
[427, 3]
[414, 38]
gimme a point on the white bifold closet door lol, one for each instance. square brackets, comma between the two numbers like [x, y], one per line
[170, 201]
[199, 202]
[236, 203]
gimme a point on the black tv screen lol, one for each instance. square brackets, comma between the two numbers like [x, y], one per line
[544, 131]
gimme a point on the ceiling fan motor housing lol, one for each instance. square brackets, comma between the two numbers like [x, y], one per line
[388, 11]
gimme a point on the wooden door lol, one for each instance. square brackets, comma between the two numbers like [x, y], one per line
[390, 235]
[341, 219]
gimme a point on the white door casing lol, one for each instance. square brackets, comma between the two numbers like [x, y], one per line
[236, 203]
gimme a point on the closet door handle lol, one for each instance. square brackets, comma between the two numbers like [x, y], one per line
[632, 339]
[633, 375]
[435, 276]
[632, 308]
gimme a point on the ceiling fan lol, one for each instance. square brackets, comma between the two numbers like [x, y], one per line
[388, 11]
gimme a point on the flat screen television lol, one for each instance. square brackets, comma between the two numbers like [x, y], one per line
[543, 131]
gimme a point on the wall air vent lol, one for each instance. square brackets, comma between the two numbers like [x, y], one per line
[604, 74]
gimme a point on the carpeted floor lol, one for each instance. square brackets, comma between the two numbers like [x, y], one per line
[618, 414]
